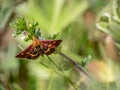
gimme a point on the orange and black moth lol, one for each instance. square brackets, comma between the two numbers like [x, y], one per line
[39, 48]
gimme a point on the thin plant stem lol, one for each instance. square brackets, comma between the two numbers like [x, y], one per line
[52, 61]
[68, 79]
[64, 75]
[75, 64]
[107, 86]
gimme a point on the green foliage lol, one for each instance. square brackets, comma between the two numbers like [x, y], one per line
[7, 11]
[28, 29]
[19, 25]
[73, 21]
[109, 20]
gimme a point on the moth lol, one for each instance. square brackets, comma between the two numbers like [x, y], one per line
[39, 48]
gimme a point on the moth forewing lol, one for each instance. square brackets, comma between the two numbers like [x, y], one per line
[28, 53]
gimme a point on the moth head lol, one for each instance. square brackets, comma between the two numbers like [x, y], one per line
[36, 42]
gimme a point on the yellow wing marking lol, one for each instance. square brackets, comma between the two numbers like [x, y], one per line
[47, 50]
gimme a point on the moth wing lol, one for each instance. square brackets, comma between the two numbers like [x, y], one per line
[27, 53]
[50, 45]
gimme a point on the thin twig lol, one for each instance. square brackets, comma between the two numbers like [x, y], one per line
[76, 65]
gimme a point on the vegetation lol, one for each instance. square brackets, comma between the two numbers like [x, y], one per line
[88, 57]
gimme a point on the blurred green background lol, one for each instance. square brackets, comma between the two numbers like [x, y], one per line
[90, 33]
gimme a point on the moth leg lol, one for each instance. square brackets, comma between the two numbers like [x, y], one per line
[42, 54]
